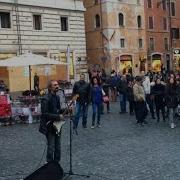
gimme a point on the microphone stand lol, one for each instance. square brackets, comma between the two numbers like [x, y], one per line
[71, 173]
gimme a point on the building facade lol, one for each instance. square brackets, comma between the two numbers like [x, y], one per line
[175, 33]
[163, 28]
[43, 27]
[116, 36]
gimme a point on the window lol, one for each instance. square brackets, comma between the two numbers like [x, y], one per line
[151, 24]
[163, 5]
[149, 3]
[37, 24]
[64, 24]
[121, 19]
[175, 33]
[166, 45]
[122, 43]
[96, 2]
[140, 43]
[139, 21]
[164, 23]
[97, 21]
[5, 20]
[173, 10]
[151, 44]
[138, 1]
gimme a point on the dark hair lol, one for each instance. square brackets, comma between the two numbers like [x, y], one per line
[82, 74]
[174, 84]
[138, 78]
[49, 85]
[92, 80]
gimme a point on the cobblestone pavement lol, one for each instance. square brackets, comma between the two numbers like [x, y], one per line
[120, 150]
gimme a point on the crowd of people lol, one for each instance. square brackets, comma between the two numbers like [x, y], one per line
[148, 93]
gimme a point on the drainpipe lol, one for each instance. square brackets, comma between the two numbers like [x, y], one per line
[101, 31]
[170, 33]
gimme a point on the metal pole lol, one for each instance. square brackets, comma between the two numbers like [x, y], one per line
[68, 62]
[30, 79]
[170, 33]
[18, 27]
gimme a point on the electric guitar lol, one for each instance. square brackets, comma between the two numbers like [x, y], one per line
[58, 124]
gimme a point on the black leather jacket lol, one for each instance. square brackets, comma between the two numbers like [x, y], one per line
[50, 109]
[82, 88]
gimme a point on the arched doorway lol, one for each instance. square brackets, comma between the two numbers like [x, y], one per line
[125, 64]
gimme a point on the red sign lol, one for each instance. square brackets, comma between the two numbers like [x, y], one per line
[3, 99]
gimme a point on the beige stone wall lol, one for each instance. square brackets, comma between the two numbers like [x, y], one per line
[50, 41]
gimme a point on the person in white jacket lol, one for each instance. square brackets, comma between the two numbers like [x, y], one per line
[149, 100]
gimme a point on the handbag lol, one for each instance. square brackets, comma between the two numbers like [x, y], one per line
[105, 99]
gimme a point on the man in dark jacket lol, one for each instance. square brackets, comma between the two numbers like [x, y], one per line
[82, 89]
[122, 89]
[51, 111]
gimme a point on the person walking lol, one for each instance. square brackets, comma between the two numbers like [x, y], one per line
[36, 83]
[171, 101]
[106, 87]
[82, 89]
[147, 88]
[113, 84]
[122, 89]
[158, 91]
[130, 97]
[97, 100]
[139, 101]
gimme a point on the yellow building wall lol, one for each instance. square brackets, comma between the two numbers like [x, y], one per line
[17, 78]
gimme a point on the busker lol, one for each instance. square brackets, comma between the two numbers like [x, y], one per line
[51, 111]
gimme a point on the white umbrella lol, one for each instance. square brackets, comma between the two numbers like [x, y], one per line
[29, 59]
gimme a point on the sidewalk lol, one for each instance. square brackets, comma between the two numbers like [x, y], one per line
[120, 150]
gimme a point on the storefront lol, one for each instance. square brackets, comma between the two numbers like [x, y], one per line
[156, 62]
[176, 57]
[125, 64]
[17, 78]
[142, 66]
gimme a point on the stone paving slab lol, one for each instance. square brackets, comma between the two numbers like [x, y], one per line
[120, 150]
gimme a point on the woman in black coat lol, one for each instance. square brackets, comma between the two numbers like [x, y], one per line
[158, 91]
[171, 100]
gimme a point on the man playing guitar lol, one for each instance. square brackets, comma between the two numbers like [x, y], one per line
[51, 112]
